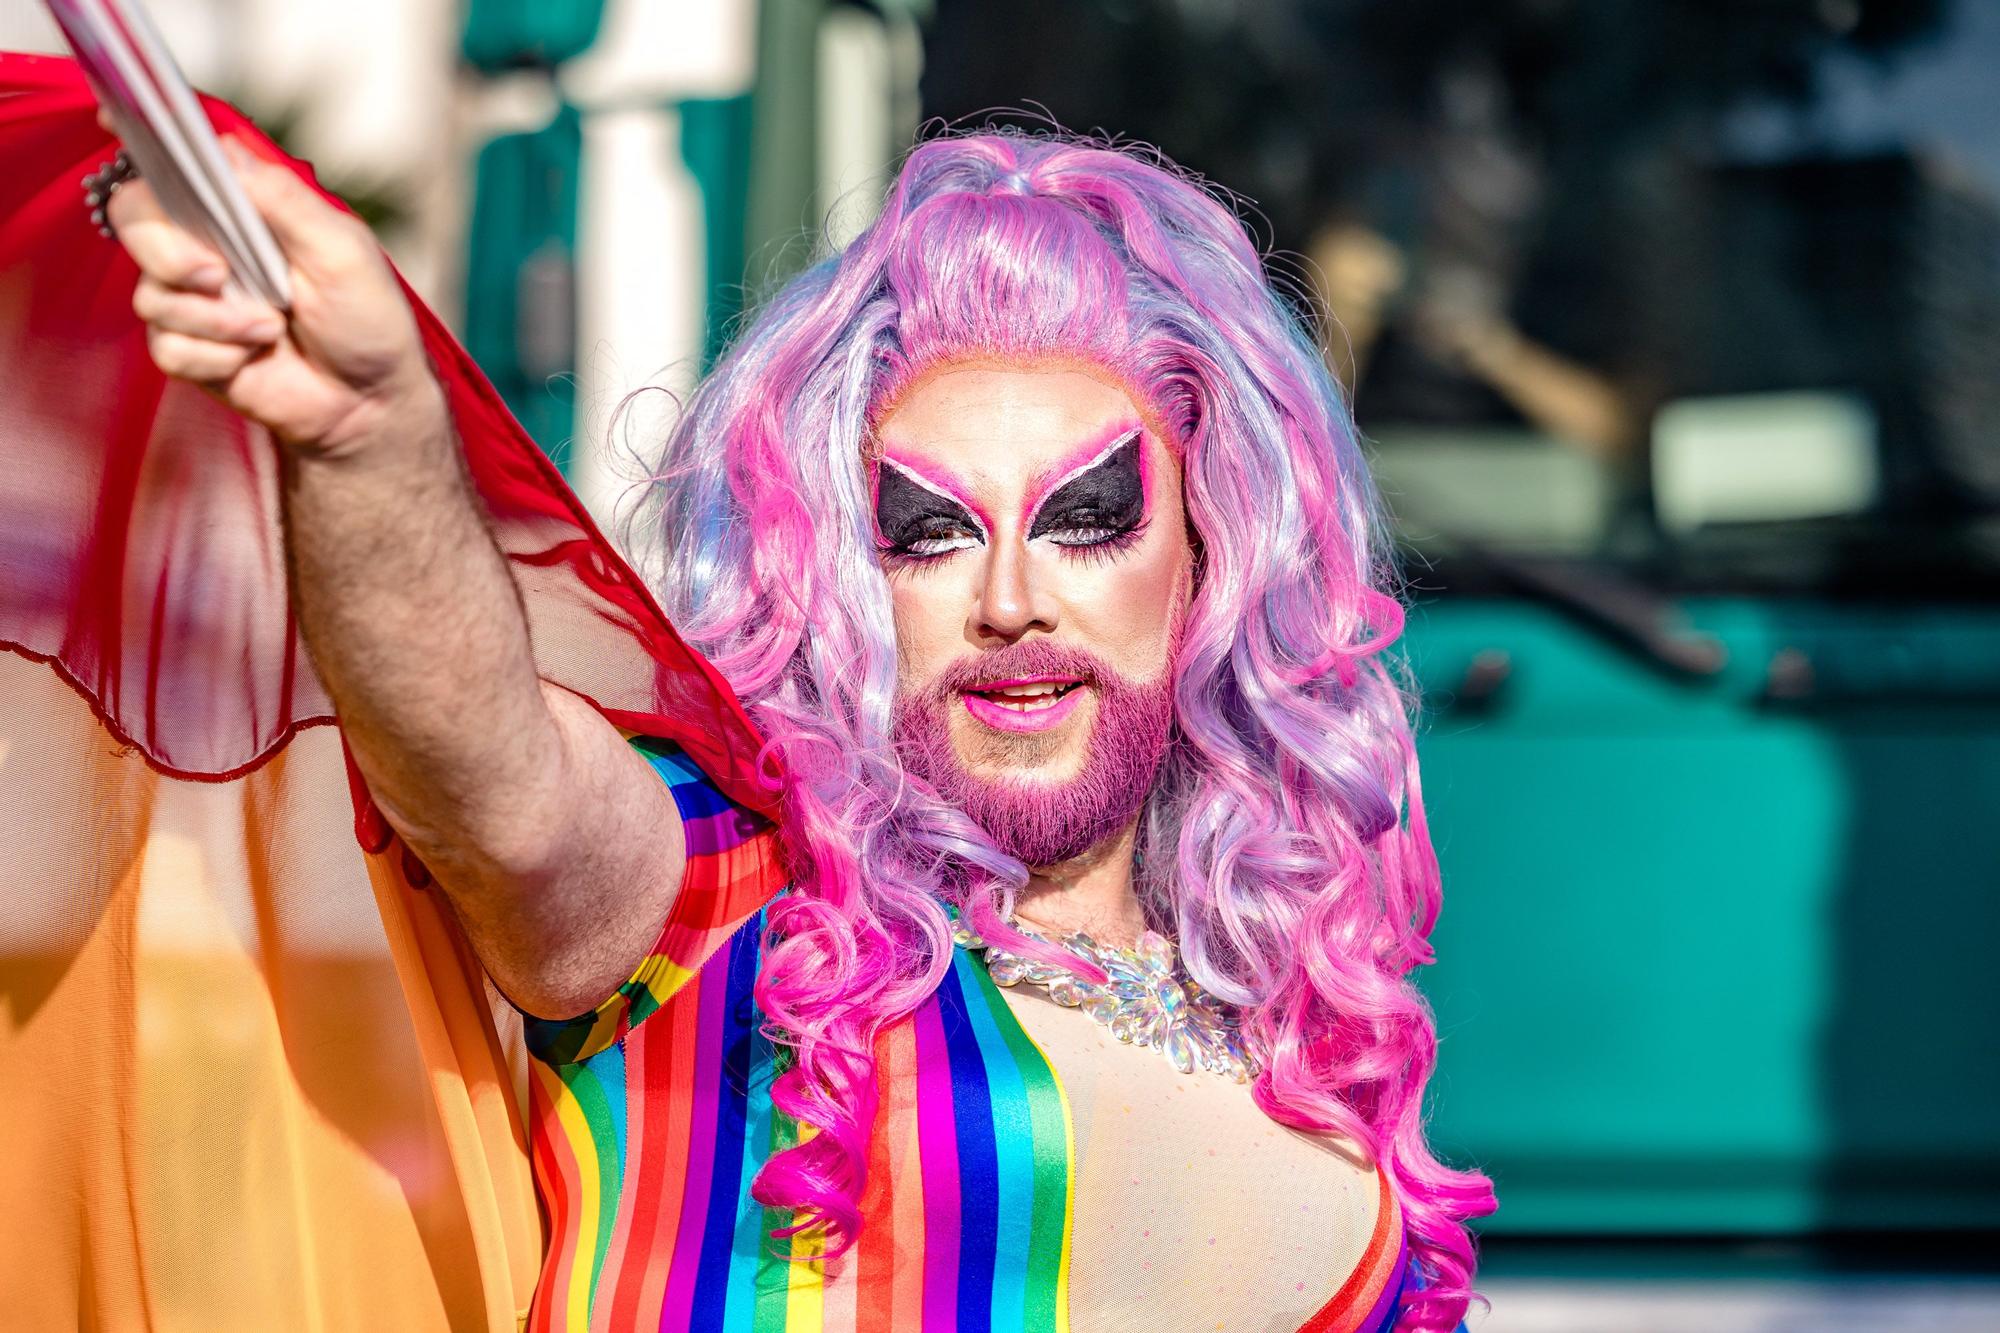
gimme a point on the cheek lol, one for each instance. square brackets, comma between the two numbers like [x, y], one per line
[925, 630]
[1126, 608]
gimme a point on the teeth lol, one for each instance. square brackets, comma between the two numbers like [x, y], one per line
[1027, 698]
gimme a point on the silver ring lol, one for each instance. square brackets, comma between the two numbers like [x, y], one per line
[100, 185]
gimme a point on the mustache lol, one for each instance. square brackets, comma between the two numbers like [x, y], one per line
[1037, 823]
[1037, 658]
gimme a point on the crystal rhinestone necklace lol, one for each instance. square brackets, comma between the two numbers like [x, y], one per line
[1148, 999]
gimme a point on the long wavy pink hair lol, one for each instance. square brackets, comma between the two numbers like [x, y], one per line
[1285, 841]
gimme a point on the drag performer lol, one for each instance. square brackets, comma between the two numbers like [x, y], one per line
[985, 898]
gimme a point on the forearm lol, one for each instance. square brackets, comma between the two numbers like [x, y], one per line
[416, 629]
[557, 847]
[1567, 399]
[558, 850]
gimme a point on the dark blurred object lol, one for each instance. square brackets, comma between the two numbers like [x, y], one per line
[1305, 104]
[1529, 194]
[1877, 273]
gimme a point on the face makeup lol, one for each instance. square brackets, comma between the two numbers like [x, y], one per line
[1037, 603]
[918, 516]
[1032, 704]
[1106, 493]
[1041, 822]
[1098, 502]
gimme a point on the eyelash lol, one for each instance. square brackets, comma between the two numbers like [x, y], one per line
[906, 552]
[1092, 551]
[1099, 549]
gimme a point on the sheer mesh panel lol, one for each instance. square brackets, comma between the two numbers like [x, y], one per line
[1194, 1209]
[220, 1111]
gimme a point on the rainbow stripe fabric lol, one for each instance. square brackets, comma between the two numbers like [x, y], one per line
[645, 1140]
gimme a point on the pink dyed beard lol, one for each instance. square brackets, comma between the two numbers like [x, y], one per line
[1042, 823]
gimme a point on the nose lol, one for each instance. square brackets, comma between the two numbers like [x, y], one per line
[1012, 599]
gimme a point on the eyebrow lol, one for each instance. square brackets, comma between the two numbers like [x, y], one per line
[939, 485]
[909, 503]
[1090, 454]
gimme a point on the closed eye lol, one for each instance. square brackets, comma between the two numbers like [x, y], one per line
[914, 521]
[934, 538]
[1095, 543]
[1083, 527]
[1097, 505]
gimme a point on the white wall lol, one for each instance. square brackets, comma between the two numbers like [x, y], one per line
[641, 253]
[373, 82]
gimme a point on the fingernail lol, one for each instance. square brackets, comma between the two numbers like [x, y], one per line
[267, 330]
[208, 278]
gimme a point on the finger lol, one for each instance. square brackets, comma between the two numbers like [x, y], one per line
[230, 319]
[198, 359]
[314, 234]
[163, 250]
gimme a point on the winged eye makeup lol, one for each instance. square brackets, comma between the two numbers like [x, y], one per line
[915, 516]
[1105, 495]
[1092, 508]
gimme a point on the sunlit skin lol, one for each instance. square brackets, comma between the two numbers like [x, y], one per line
[998, 438]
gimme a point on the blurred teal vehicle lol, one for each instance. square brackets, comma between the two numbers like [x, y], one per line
[1717, 949]
[1712, 748]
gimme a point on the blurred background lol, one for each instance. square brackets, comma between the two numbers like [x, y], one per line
[1674, 327]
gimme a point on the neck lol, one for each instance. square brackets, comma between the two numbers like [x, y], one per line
[1092, 893]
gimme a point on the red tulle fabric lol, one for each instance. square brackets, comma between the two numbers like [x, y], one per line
[140, 544]
[253, 1076]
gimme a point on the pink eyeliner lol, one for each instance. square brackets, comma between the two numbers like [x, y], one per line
[942, 484]
[1080, 460]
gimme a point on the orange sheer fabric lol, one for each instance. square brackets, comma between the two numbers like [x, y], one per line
[251, 1079]
[251, 1072]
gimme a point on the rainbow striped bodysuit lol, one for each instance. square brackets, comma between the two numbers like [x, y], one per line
[651, 1116]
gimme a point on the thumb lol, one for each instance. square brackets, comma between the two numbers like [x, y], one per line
[314, 234]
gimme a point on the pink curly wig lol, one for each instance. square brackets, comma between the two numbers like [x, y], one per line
[1285, 842]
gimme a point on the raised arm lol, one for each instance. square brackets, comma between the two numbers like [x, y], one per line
[558, 848]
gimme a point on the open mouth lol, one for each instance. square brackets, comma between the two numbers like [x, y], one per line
[1026, 696]
[1023, 705]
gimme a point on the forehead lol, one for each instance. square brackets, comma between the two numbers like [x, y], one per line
[996, 428]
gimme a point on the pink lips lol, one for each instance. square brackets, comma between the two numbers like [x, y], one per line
[1002, 718]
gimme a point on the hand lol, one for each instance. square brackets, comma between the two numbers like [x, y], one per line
[345, 370]
[1459, 319]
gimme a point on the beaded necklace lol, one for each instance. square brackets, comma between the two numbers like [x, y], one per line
[1148, 998]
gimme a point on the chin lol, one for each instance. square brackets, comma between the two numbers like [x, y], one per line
[1044, 793]
[1047, 773]
[1036, 758]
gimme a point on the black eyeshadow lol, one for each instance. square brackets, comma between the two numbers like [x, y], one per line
[1109, 496]
[906, 513]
